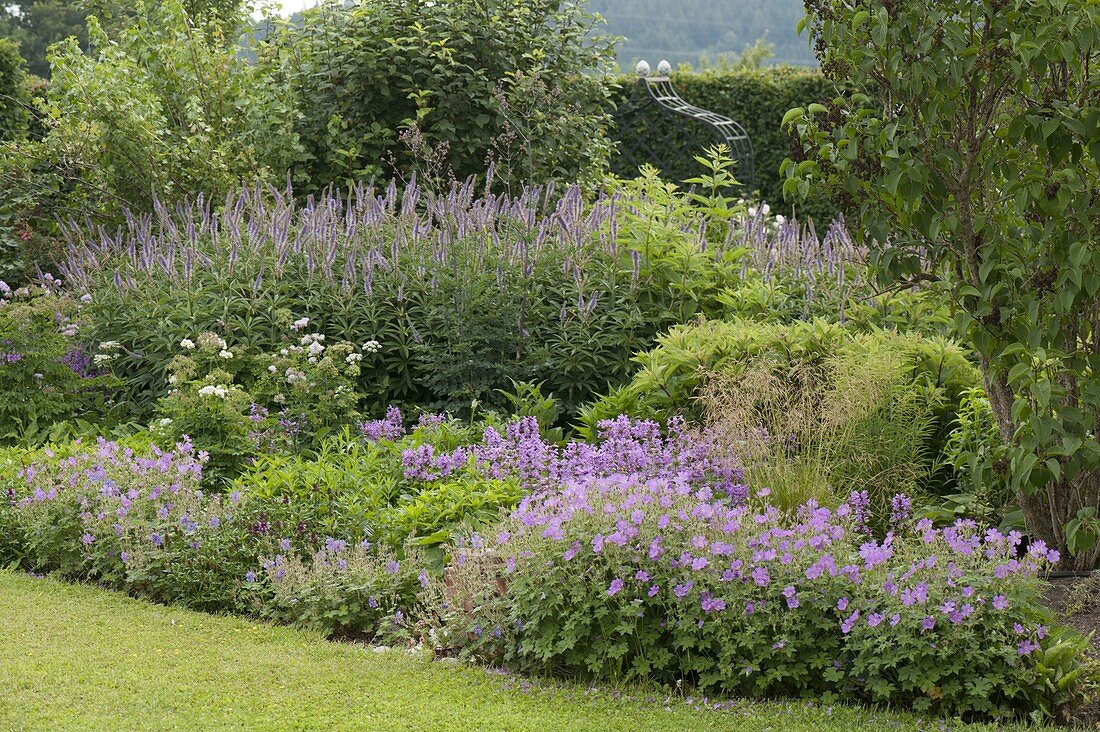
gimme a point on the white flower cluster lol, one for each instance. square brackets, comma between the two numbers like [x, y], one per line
[188, 344]
[372, 346]
[225, 354]
[218, 342]
[764, 210]
[293, 375]
[300, 324]
[354, 358]
[108, 353]
[220, 391]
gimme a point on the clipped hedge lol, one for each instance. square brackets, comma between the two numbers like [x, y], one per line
[757, 99]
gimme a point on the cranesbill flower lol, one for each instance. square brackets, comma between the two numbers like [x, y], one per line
[712, 604]
[760, 577]
[615, 587]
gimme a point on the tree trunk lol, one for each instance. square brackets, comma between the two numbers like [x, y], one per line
[1047, 511]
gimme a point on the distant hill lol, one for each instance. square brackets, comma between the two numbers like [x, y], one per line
[684, 30]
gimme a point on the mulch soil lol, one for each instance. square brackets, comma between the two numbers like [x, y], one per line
[1076, 601]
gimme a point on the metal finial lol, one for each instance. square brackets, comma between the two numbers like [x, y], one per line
[664, 68]
[642, 69]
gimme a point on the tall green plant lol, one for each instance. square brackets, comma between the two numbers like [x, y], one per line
[981, 166]
[161, 106]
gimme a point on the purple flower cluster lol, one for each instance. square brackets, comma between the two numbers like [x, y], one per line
[624, 447]
[391, 428]
[122, 494]
[672, 538]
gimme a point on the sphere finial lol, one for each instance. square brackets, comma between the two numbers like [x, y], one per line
[642, 69]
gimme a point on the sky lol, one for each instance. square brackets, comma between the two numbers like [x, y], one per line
[293, 6]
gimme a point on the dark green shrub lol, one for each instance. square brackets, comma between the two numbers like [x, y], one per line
[15, 101]
[14, 92]
[390, 87]
[757, 99]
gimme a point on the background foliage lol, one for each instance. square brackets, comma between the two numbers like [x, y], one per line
[160, 107]
[389, 87]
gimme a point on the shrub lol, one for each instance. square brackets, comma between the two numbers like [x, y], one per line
[853, 423]
[420, 487]
[864, 410]
[205, 407]
[757, 99]
[669, 376]
[135, 519]
[15, 102]
[388, 87]
[972, 453]
[623, 578]
[340, 591]
[14, 92]
[160, 107]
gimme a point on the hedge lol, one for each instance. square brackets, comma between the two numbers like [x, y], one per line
[757, 99]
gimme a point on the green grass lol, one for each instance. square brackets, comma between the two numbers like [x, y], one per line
[75, 657]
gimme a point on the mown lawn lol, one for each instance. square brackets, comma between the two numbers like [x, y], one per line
[81, 658]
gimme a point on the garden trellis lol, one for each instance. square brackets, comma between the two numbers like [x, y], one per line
[667, 132]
